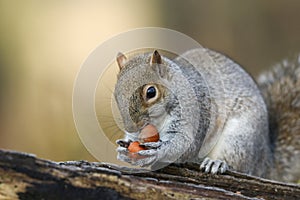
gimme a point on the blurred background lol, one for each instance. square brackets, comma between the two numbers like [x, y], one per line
[43, 44]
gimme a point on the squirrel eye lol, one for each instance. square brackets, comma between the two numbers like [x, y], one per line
[151, 92]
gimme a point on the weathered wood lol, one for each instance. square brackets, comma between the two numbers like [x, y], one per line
[23, 176]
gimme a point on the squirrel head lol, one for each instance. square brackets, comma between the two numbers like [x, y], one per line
[140, 91]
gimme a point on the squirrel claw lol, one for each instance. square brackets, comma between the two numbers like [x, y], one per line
[122, 155]
[123, 143]
[121, 149]
[152, 145]
[213, 166]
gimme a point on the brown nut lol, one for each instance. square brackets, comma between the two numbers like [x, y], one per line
[135, 147]
[149, 134]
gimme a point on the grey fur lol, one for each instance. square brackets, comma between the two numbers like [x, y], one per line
[212, 112]
[281, 90]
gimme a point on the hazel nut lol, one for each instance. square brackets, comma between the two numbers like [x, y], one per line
[135, 147]
[149, 134]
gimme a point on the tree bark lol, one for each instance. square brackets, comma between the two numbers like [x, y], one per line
[23, 176]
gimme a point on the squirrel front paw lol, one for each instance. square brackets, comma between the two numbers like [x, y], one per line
[123, 154]
[142, 158]
[123, 142]
[213, 166]
[150, 155]
[122, 149]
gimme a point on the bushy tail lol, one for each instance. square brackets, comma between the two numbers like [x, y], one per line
[281, 90]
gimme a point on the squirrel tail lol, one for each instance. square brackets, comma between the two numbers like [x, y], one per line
[280, 88]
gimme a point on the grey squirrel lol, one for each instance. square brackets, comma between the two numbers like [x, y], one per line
[208, 110]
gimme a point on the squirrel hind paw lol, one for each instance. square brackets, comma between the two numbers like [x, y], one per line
[213, 166]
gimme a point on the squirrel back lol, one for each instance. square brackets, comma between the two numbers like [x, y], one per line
[280, 88]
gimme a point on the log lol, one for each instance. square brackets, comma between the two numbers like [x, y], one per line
[24, 176]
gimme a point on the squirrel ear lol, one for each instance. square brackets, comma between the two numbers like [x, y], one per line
[155, 58]
[121, 59]
[156, 62]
